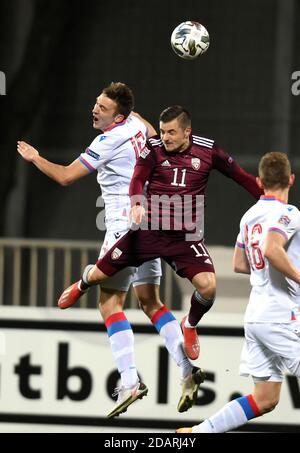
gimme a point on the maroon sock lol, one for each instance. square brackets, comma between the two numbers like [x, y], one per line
[199, 306]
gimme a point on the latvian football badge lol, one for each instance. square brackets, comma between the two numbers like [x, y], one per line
[196, 163]
[116, 254]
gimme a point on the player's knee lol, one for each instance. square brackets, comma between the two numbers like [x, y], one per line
[205, 281]
[142, 301]
[148, 297]
[208, 290]
[145, 299]
[149, 304]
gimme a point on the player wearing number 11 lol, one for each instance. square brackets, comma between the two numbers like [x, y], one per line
[112, 155]
[177, 166]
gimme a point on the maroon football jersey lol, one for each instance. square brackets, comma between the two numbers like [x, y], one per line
[175, 176]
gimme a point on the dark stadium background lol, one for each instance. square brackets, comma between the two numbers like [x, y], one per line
[58, 55]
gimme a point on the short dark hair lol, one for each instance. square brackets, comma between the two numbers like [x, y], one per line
[122, 95]
[274, 170]
[176, 112]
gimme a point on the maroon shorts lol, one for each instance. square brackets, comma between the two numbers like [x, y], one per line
[187, 258]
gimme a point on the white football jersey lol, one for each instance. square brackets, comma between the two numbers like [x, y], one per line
[274, 298]
[113, 154]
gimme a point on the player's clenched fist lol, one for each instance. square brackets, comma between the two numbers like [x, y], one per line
[27, 151]
[137, 213]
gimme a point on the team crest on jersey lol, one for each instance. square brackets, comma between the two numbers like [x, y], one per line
[284, 220]
[196, 163]
[145, 152]
[116, 254]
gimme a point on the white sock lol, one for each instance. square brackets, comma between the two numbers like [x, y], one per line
[169, 328]
[187, 324]
[122, 346]
[233, 414]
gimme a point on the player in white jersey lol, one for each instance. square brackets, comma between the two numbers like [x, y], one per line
[113, 154]
[267, 248]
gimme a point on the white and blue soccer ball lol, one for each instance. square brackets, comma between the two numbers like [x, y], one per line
[189, 40]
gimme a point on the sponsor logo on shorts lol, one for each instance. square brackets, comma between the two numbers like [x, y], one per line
[284, 220]
[115, 255]
[196, 163]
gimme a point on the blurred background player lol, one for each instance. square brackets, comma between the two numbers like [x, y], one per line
[176, 164]
[113, 155]
[267, 248]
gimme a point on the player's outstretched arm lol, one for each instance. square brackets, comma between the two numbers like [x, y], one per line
[64, 175]
[230, 168]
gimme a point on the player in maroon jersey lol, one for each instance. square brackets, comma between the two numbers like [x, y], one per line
[177, 167]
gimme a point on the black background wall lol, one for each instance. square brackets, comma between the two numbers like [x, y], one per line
[58, 55]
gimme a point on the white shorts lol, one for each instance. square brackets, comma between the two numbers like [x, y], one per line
[270, 349]
[149, 272]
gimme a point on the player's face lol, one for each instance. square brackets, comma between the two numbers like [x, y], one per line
[105, 113]
[174, 137]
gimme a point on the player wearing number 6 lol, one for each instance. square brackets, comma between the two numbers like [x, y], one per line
[267, 248]
[177, 166]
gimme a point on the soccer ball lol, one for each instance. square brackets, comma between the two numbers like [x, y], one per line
[189, 40]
